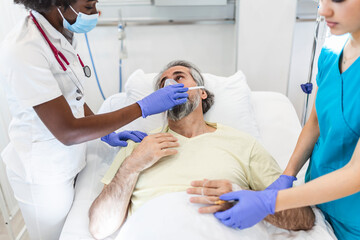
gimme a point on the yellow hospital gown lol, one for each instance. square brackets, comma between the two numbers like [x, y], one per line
[223, 154]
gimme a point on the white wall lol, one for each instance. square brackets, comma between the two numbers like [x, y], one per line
[10, 16]
[210, 46]
[265, 31]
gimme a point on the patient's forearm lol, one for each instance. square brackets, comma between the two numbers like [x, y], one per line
[108, 211]
[293, 219]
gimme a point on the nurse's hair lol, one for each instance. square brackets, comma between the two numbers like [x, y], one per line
[44, 5]
[196, 75]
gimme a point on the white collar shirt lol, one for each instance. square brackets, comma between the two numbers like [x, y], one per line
[31, 75]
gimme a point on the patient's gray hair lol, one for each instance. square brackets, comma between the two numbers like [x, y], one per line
[196, 75]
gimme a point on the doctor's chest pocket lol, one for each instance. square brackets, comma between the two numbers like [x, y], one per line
[66, 82]
[72, 89]
[71, 80]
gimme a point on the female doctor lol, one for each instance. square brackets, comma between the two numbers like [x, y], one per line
[43, 76]
[330, 138]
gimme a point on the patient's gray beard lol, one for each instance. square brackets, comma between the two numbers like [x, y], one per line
[180, 111]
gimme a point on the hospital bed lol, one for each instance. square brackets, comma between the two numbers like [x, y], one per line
[268, 116]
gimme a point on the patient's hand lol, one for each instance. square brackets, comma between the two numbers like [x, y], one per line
[150, 150]
[211, 190]
[292, 219]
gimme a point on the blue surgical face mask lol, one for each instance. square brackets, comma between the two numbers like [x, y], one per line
[84, 23]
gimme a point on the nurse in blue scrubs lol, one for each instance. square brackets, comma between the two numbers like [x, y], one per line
[330, 139]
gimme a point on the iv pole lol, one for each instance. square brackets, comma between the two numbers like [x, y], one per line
[307, 87]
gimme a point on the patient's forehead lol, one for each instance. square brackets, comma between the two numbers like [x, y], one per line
[176, 70]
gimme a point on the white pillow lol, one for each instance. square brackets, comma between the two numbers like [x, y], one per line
[232, 105]
[137, 87]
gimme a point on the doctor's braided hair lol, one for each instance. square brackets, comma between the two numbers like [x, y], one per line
[44, 5]
[196, 75]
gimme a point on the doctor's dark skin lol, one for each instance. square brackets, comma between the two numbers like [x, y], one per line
[84, 6]
[57, 115]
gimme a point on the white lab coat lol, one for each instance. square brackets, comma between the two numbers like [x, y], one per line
[33, 76]
[35, 160]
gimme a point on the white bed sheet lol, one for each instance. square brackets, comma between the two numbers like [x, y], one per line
[187, 223]
[279, 128]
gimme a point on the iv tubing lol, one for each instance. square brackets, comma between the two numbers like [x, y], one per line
[120, 67]
[120, 75]
[93, 65]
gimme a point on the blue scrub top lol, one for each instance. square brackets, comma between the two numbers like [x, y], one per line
[338, 111]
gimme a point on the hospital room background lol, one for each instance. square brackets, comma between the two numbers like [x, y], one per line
[275, 43]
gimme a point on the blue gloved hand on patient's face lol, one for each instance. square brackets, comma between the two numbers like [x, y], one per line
[283, 182]
[252, 207]
[163, 99]
[119, 139]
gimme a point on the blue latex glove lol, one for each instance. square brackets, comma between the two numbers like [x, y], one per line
[253, 206]
[163, 99]
[119, 139]
[283, 182]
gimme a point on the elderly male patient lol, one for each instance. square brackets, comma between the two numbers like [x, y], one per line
[188, 149]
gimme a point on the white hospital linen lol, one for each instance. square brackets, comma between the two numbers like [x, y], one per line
[183, 221]
[174, 217]
[32, 76]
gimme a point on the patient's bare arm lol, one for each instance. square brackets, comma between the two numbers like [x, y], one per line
[109, 210]
[293, 219]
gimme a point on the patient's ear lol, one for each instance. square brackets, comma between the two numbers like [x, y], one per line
[203, 94]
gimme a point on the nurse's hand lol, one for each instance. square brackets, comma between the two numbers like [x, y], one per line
[210, 191]
[283, 182]
[163, 99]
[119, 139]
[150, 150]
[252, 207]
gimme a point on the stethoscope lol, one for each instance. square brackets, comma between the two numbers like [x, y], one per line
[59, 55]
